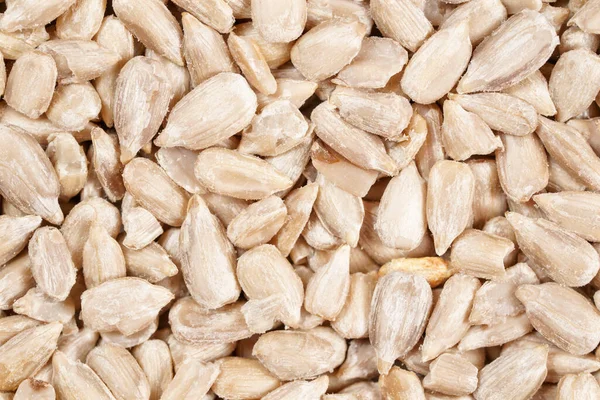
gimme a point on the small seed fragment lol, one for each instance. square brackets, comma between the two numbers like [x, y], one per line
[401, 384]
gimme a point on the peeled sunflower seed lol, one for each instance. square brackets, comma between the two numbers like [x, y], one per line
[162, 33]
[206, 53]
[465, 134]
[449, 320]
[78, 345]
[279, 127]
[323, 351]
[561, 315]
[230, 173]
[141, 100]
[318, 236]
[426, 82]
[353, 321]
[292, 163]
[26, 353]
[435, 270]
[278, 21]
[359, 147]
[155, 191]
[73, 106]
[253, 64]
[16, 232]
[566, 257]
[208, 258]
[394, 327]
[319, 11]
[193, 324]
[578, 386]
[125, 304]
[226, 92]
[297, 91]
[15, 280]
[107, 165]
[119, 371]
[126, 341]
[32, 65]
[35, 389]
[154, 358]
[586, 16]
[79, 60]
[13, 325]
[490, 200]
[383, 114]
[192, 379]
[481, 336]
[402, 21]
[82, 20]
[512, 61]
[381, 57]
[215, 13]
[225, 208]
[327, 48]
[35, 304]
[571, 94]
[178, 163]
[231, 382]
[415, 136]
[574, 38]
[516, 375]
[449, 177]
[24, 14]
[276, 54]
[480, 254]
[496, 300]
[483, 16]
[432, 149]
[151, 263]
[300, 389]
[258, 223]
[73, 379]
[401, 384]
[70, 164]
[534, 90]
[451, 374]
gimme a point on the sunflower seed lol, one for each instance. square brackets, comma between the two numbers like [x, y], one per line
[585, 16]
[201, 351]
[480, 254]
[434, 269]
[253, 64]
[16, 232]
[73, 106]
[15, 280]
[34, 389]
[484, 16]
[73, 379]
[579, 386]
[511, 328]
[451, 374]
[401, 384]
[154, 358]
[13, 325]
[402, 21]
[21, 15]
[534, 90]
[353, 321]
[276, 54]
[151, 263]
[192, 380]
[231, 384]
[214, 13]
[300, 389]
[279, 21]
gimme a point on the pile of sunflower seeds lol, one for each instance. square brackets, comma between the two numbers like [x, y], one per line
[299, 199]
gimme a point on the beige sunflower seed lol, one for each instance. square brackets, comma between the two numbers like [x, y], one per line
[24, 14]
[566, 145]
[337, 170]
[489, 201]
[425, 82]
[120, 371]
[402, 21]
[124, 304]
[451, 374]
[516, 60]
[79, 60]
[496, 299]
[252, 62]
[178, 163]
[241, 8]
[263, 273]
[154, 358]
[13, 325]
[151, 187]
[178, 76]
[141, 100]
[278, 128]
[321, 11]
[383, 114]
[151, 263]
[574, 38]
[297, 91]
[225, 208]
[51, 263]
[26, 353]
[76, 227]
[279, 22]
[14, 45]
[192, 380]
[141, 227]
[126, 341]
[194, 324]
[318, 236]
[40, 129]
[231, 382]
[300, 389]
[276, 54]
[517, 375]
[114, 36]
[293, 163]
[201, 351]
[564, 256]
[154, 25]
[561, 315]
[327, 48]
[37, 188]
[107, 164]
[70, 164]
[586, 16]
[31, 389]
[574, 211]
[432, 149]
[299, 204]
[73, 106]
[571, 93]
[353, 320]
[205, 50]
[229, 173]
[415, 135]
[16, 232]
[483, 16]
[377, 61]
[215, 13]
[465, 134]
[360, 363]
[401, 384]
[15, 280]
[435, 270]
[580, 386]
[227, 92]
[363, 389]
[394, 328]
[73, 380]
[511, 328]
[520, 184]
[328, 288]
[31, 66]
[534, 90]
[449, 321]
[82, 21]
[37, 305]
[480, 254]
[516, 6]
[78, 345]
[449, 177]
[258, 223]
[323, 350]
[403, 227]
[359, 147]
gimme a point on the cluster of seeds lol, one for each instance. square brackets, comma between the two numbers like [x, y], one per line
[299, 199]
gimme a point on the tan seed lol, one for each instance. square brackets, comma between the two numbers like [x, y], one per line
[480, 254]
[511, 328]
[353, 321]
[154, 358]
[192, 379]
[214, 13]
[73, 379]
[276, 54]
[252, 62]
[300, 389]
[402, 21]
[451, 374]
[400, 384]
[21, 15]
[581, 386]
[534, 90]
[15, 280]
[74, 105]
[231, 382]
